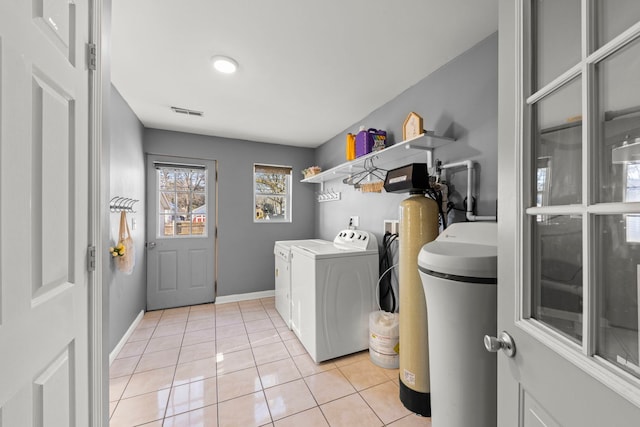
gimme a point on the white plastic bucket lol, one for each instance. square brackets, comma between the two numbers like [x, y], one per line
[384, 339]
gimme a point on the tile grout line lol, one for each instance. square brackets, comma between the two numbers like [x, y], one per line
[290, 359]
[134, 368]
[264, 394]
[175, 369]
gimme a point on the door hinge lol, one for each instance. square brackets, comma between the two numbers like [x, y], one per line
[92, 56]
[91, 258]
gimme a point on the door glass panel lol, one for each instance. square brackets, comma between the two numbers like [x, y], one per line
[182, 202]
[198, 203]
[198, 181]
[558, 147]
[182, 179]
[614, 17]
[166, 226]
[182, 207]
[618, 289]
[619, 146]
[557, 273]
[557, 39]
[167, 202]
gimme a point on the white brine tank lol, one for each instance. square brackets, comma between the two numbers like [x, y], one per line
[458, 272]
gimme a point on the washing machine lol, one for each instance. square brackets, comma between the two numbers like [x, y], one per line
[333, 292]
[282, 255]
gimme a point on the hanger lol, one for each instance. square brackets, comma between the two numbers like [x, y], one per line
[369, 170]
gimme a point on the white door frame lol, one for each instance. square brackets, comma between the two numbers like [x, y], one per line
[98, 383]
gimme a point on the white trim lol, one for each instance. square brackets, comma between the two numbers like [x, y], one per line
[624, 384]
[523, 72]
[615, 44]
[125, 337]
[597, 209]
[244, 297]
[98, 382]
[555, 210]
[555, 84]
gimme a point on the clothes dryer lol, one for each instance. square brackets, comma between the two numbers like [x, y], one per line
[333, 293]
[282, 271]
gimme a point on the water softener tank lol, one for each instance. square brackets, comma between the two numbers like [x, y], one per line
[418, 225]
[458, 272]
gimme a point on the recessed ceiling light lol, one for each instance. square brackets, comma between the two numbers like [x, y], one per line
[224, 64]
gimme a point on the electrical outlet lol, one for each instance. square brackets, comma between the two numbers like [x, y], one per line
[354, 221]
[391, 226]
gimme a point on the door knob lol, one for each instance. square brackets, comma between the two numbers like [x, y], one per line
[504, 343]
[151, 245]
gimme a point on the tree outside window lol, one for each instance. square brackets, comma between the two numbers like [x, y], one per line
[272, 193]
[183, 202]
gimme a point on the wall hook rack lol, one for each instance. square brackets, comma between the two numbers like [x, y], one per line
[328, 196]
[122, 204]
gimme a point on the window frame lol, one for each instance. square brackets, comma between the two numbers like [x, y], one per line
[288, 194]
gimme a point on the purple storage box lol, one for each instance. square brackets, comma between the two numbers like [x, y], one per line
[366, 139]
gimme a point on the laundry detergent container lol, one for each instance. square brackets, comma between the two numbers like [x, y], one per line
[458, 272]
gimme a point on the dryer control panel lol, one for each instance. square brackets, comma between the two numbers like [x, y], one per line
[356, 239]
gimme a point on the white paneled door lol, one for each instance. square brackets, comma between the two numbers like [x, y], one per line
[569, 252]
[44, 213]
[181, 228]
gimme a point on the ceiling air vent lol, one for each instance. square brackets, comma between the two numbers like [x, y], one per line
[188, 112]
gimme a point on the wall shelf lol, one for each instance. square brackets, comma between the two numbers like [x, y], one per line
[389, 158]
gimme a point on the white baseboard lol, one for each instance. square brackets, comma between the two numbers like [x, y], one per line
[245, 297]
[125, 338]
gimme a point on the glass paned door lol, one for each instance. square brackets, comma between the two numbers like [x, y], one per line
[582, 222]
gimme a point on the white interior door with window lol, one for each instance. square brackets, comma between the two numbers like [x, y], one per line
[181, 231]
[44, 212]
[569, 248]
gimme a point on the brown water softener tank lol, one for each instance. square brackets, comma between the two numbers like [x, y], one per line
[418, 226]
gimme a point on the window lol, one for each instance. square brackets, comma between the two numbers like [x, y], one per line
[182, 200]
[272, 193]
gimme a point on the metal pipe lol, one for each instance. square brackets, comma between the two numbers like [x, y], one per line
[469, 213]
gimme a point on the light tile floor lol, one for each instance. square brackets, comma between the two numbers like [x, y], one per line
[237, 364]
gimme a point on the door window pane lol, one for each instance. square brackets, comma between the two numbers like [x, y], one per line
[557, 274]
[198, 181]
[619, 145]
[166, 226]
[182, 207]
[557, 39]
[618, 288]
[558, 147]
[614, 17]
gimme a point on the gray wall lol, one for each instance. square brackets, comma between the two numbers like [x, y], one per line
[459, 100]
[127, 293]
[245, 249]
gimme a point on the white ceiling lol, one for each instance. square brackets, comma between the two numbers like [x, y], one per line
[308, 69]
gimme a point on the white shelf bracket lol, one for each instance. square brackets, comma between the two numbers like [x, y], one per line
[429, 151]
